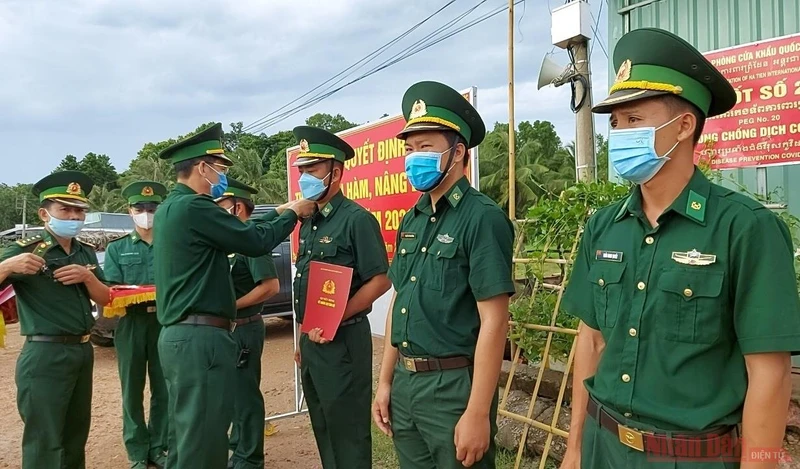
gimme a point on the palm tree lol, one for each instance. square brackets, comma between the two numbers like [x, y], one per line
[101, 199]
[248, 168]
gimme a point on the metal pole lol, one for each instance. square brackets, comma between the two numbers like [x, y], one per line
[585, 163]
[512, 196]
[24, 210]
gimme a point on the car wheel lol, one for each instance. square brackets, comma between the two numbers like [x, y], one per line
[101, 341]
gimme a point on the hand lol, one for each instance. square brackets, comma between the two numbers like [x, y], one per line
[471, 438]
[282, 207]
[380, 409]
[72, 274]
[25, 264]
[297, 357]
[304, 208]
[572, 459]
[315, 335]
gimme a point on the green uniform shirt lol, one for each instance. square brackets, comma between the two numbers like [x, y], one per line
[192, 239]
[129, 261]
[445, 262]
[247, 272]
[676, 334]
[342, 233]
[46, 306]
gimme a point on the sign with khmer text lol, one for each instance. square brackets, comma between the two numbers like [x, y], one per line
[763, 129]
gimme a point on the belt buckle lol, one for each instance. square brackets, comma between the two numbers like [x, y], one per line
[631, 437]
[232, 326]
[410, 364]
[85, 338]
[151, 309]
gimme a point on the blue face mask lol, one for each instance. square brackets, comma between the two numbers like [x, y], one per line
[633, 153]
[64, 228]
[312, 187]
[423, 169]
[219, 188]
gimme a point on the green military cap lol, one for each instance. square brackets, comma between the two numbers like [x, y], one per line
[67, 187]
[205, 143]
[653, 62]
[429, 105]
[319, 145]
[238, 189]
[142, 192]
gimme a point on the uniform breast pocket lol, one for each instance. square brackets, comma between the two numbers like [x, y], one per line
[325, 250]
[693, 305]
[442, 265]
[607, 289]
[131, 267]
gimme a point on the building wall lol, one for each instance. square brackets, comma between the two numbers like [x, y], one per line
[711, 25]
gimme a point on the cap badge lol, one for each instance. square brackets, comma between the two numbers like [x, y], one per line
[303, 145]
[147, 191]
[624, 72]
[418, 110]
[74, 188]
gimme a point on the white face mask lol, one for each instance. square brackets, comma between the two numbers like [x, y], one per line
[143, 220]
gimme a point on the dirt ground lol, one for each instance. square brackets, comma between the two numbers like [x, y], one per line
[291, 447]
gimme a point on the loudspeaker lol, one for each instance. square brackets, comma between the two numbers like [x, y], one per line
[551, 73]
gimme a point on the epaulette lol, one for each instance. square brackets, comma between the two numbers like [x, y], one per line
[25, 242]
[87, 243]
[126, 235]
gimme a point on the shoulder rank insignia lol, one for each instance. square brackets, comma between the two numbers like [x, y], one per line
[693, 257]
[325, 240]
[25, 242]
[444, 239]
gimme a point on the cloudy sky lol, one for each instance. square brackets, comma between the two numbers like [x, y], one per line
[107, 76]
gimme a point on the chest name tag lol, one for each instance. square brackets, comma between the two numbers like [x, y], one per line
[610, 256]
[407, 235]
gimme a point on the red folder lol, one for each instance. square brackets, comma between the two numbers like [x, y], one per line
[326, 297]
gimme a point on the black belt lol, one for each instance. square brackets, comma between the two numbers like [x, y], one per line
[674, 445]
[247, 320]
[351, 321]
[59, 339]
[206, 320]
[418, 364]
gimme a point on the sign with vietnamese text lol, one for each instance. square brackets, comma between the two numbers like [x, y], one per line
[763, 129]
[375, 178]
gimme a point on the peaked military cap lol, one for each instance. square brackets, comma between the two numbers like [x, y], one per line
[653, 62]
[238, 189]
[67, 187]
[142, 192]
[319, 145]
[429, 105]
[205, 143]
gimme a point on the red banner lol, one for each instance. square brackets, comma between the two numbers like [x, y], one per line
[763, 129]
[375, 178]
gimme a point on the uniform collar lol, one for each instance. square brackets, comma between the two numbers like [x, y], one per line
[454, 196]
[182, 188]
[691, 203]
[135, 237]
[332, 204]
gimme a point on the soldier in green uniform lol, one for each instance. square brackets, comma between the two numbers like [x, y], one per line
[337, 375]
[255, 280]
[55, 278]
[129, 261]
[195, 297]
[446, 333]
[685, 290]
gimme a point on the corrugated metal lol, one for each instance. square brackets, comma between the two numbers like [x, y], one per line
[716, 24]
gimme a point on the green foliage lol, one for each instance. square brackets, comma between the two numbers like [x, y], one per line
[97, 167]
[550, 230]
[330, 123]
